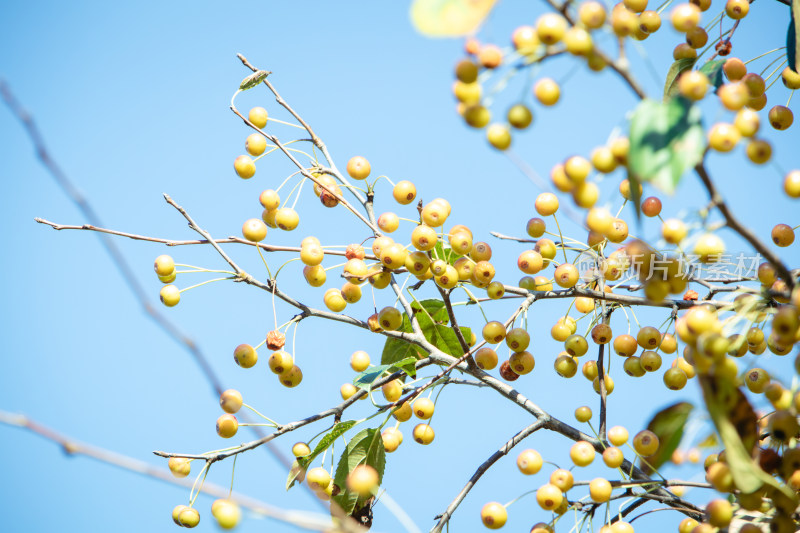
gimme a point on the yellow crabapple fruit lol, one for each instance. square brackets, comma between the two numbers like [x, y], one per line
[269, 199]
[549, 496]
[287, 218]
[618, 435]
[582, 453]
[189, 517]
[359, 361]
[645, 443]
[358, 167]
[486, 358]
[363, 480]
[300, 449]
[562, 479]
[226, 512]
[179, 466]
[170, 295]
[244, 166]
[423, 434]
[499, 136]
[254, 230]
[423, 408]
[546, 91]
[599, 490]
[494, 515]
[685, 16]
[255, 144]
[334, 300]
[529, 462]
[245, 356]
[258, 116]
[231, 401]
[550, 28]
[737, 9]
[347, 390]
[292, 377]
[525, 39]
[227, 426]
[404, 192]
[164, 265]
[392, 390]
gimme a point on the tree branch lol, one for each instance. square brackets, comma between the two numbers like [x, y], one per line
[172, 242]
[502, 451]
[733, 223]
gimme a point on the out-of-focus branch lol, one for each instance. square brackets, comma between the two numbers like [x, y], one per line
[620, 67]
[128, 276]
[300, 519]
[117, 258]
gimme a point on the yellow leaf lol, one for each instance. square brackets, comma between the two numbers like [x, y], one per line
[449, 18]
[736, 424]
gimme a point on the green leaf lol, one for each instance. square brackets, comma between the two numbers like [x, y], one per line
[365, 379]
[432, 318]
[407, 365]
[666, 140]
[366, 447]
[667, 424]
[396, 350]
[732, 414]
[253, 80]
[337, 431]
[445, 338]
[793, 38]
[675, 71]
[449, 18]
[713, 71]
[433, 310]
[440, 252]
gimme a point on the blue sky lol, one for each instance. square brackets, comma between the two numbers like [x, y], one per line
[132, 100]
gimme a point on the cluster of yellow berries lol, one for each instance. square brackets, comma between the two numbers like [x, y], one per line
[226, 511]
[552, 496]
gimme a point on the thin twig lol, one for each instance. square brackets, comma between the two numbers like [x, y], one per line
[173, 242]
[502, 451]
[733, 223]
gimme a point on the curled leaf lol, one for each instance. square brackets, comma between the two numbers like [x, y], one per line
[675, 71]
[254, 79]
[737, 426]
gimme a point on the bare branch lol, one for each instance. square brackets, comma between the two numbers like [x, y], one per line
[172, 242]
[607, 296]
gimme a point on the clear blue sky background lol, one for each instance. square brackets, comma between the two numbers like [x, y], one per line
[133, 102]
